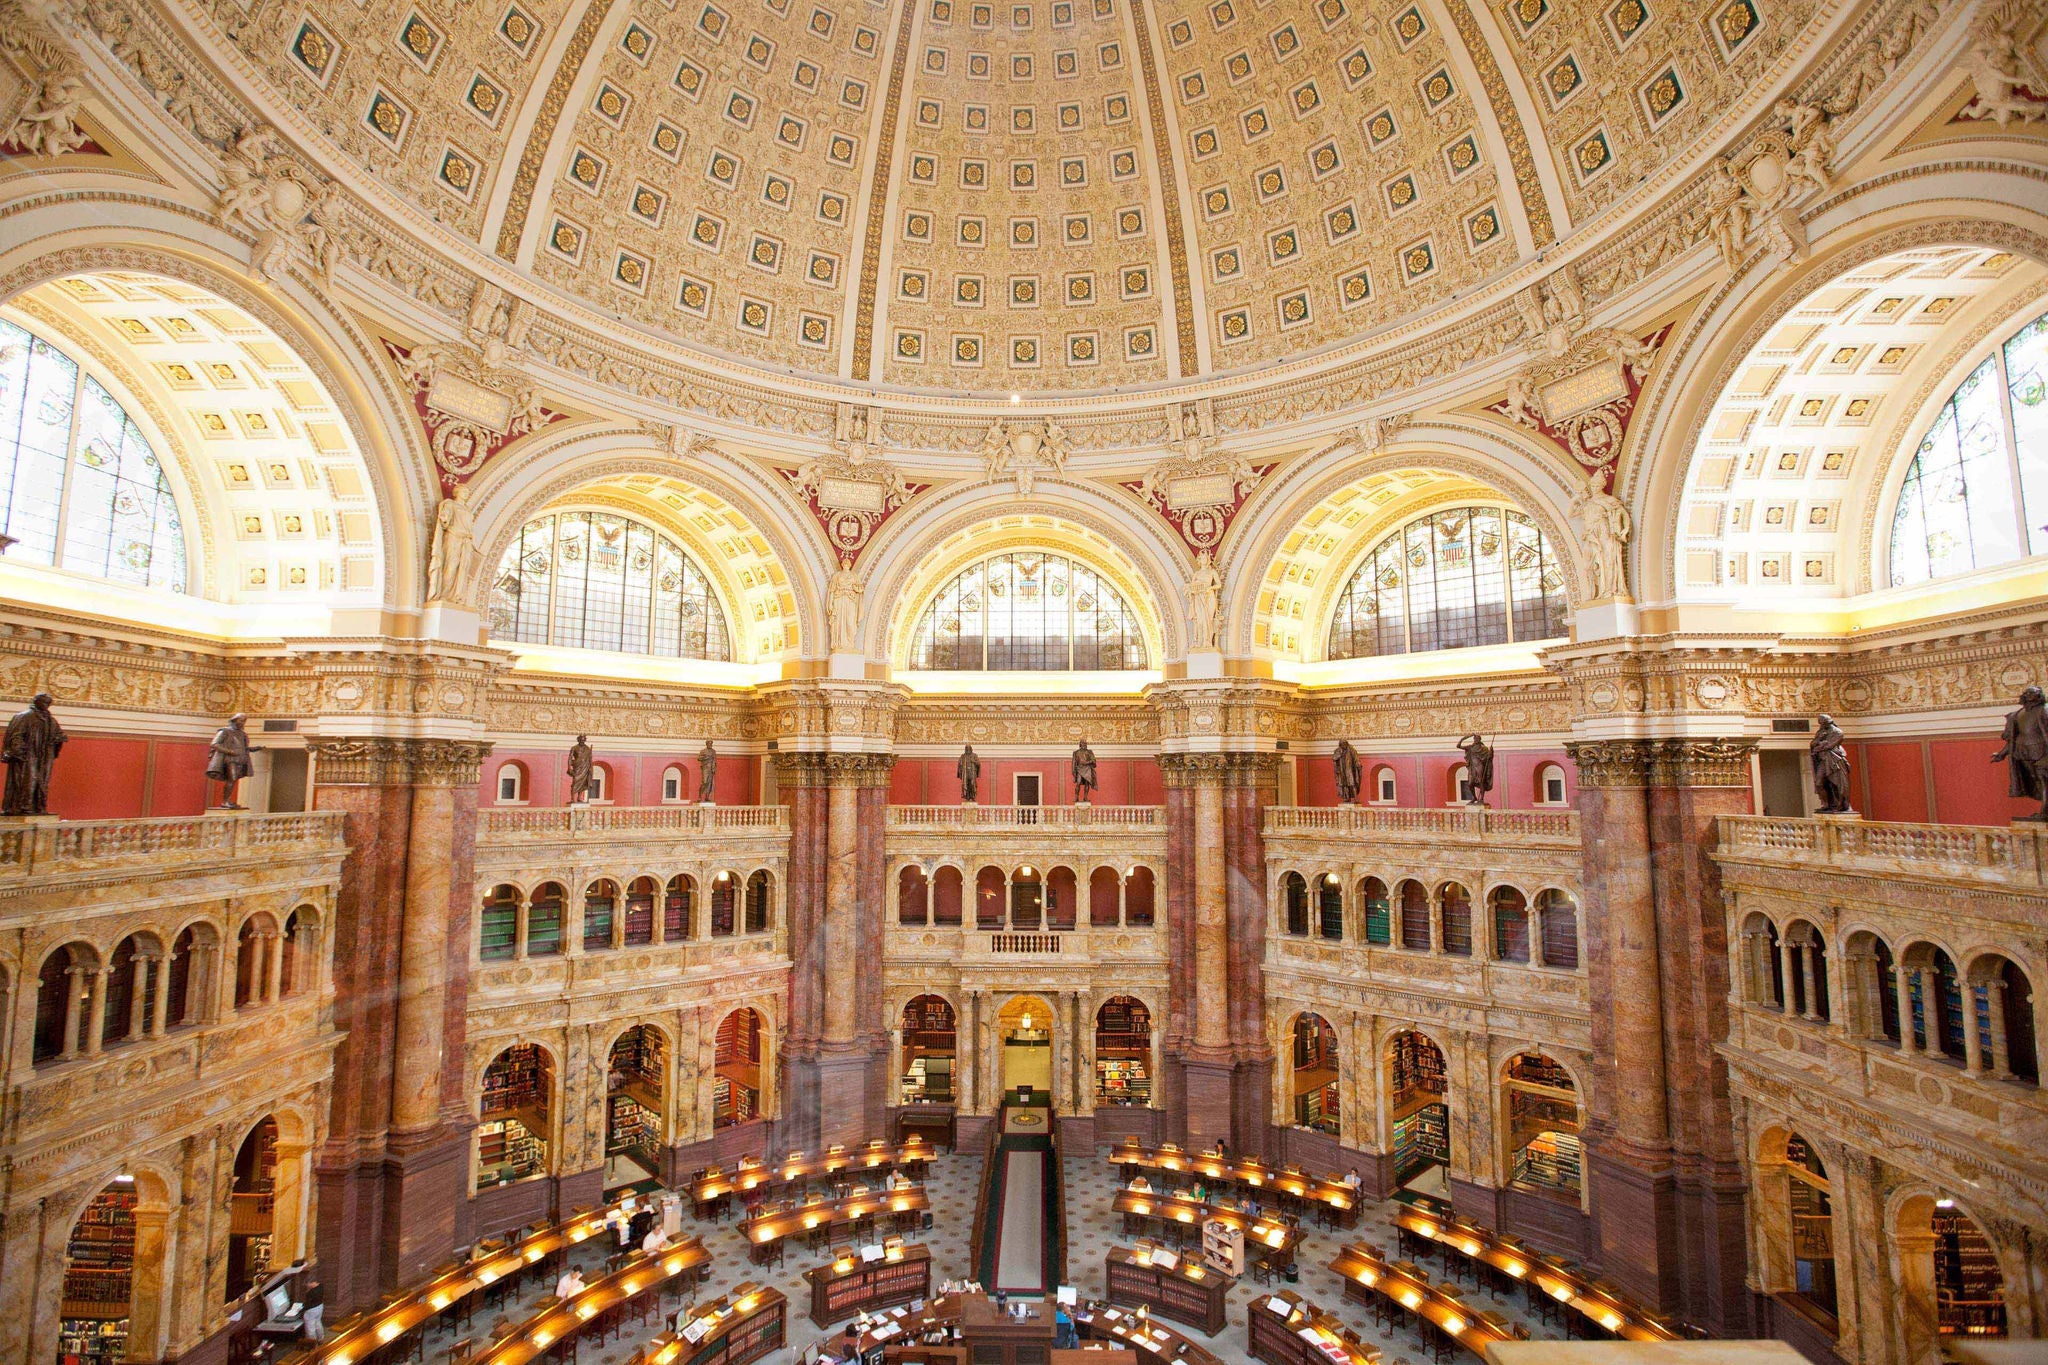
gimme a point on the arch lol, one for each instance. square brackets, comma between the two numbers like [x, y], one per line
[64, 985]
[1384, 788]
[1027, 610]
[989, 890]
[600, 915]
[1294, 904]
[739, 1066]
[637, 928]
[913, 895]
[1025, 1027]
[1454, 911]
[1558, 938]
[679, 909]
[497, 924]
[930, 1043]
[636, 1106]
[949, 894]
[130, 990]
[1417, 1107]
[672, 784]
[113, 1285]
[1510, 924]
[725, 904]
[1950, 1277]
[1552, 786]
[1543, 1111]
[1123, 1052]
[1765, 970]
[1140, 885]
[1315, 1075]
[760, 892]
[1807, 989]
[510, 783]
[1795, 1221]
[191, 990]
[252, 1209]
[300, 949]
[1062, 895]
[1934, 1001]
[1104, 896]
[2000, 1007]
[1870, 986]
[1375, 907]
[1414, 913]
[545, 919]
[515, 1112]
[603, 579]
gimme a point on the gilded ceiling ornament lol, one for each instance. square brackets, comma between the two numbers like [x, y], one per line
[1021, 451]
[1198, 487]
[1753, 192]
[2010, 82]
[1374, 434]
[471, 409]
[265, 192]
[48, 122]
[1582, 401]
[852, 489]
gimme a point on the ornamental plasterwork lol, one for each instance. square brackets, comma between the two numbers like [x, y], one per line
[1198, 488]
[853, 489]
[1580, 394]
[1522, 706]
[2008, 81]
[1024, 721]
[525, 704]
[471, 408]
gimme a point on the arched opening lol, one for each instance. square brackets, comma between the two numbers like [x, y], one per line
[1028, 610]
[511, 783]
[1455, 906]
[1062, 895]
[64, 986]
[600, 580]
[1294, 903]
[1934, 998]
[195, 957]
[671, 784]
[1760, 959]
[1385, 789]
[1025, 1024]
[948, 894]
[1558, 915]
[913, 896]
[301, 950]
[1103, 886]
[1949, 1276]
[254, 945]
[639, 922]
[1123, 1052]
[134, 978]
[1451, 579]
[1138, 897]
[1378, 910]
[1550, 785]
[679, 909]
[1510, 924]
[1330, 907]
[1418, 1112]
[99, 1278]
[725, 892]
[252, 1209]
[544, 919]
[497, 925]
[1808, 978]
[1027, 899]
[1414, 916]
[736, 1078]
[759, 887]
[1871, 988]
[988, 898]
[600, 909]
[600, 783]
[515, 1112]
[1459, 787]
[636, 1105]
[930, 1041]
[1313, 1080]
[1542, 1105]
[1810, 1205]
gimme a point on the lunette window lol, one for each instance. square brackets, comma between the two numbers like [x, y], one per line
[1028, 610]
[1451, 579]
[597, 580]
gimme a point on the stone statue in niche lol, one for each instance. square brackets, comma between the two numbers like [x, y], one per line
[707, 772]
[1605, 520]
[844, 592]
[30, 751]
[968, 770]
[1478, 768]
[1830, 768]
[582, 771]
[452, 559]
[1350, 771]
[1084, 774]
[1205, 590]
[228, 760]
[2024, 752]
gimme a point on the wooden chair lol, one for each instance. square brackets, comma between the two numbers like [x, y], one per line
[772, 1255]
[458, 1352]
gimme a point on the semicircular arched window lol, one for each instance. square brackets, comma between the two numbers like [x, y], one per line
[598, 580]
[80, 486]
[1976, 492]
[1452, 579]
[1032, 611]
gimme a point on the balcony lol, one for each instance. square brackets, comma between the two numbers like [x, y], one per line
[75, 848]
[2014, 856]
[1084, 946]
[1464, 824]
[948, 819]
[612, 823]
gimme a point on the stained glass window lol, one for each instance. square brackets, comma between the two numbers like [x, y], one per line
[1028, 610]
[1976, 492]
[598, 580]
[1452, 579]
[80, 486]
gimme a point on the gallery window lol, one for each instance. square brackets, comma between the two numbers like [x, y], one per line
[597, 580]
[1452, 579]
[1032, 611]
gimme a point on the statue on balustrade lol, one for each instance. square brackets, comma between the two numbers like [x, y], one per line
[707, 772]
[1478, 768]
[30, 752]
[1084, 774]
[2024, 752]
[1830, 768]
[582, 770]
[1350, 771]
[228, 760]
[968, 770]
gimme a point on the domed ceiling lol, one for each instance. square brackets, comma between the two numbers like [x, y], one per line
[1001, 195]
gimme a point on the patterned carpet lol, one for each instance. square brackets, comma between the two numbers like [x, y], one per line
[1092, 1229]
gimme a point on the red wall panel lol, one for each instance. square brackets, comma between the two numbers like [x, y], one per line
[179, 785]
[1898, 780]
[100, 777]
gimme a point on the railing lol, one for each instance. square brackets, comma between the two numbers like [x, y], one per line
[41, 850]
[1019, 817]
[1978, 852]
[1023, 943]
[1477, 822]
[569, 822]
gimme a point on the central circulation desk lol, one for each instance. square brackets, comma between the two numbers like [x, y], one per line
[1188, 1292]
[850, 1285]
[1286, 1329]
[986, 1337]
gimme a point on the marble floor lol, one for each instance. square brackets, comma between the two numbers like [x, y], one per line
[1090, 1184]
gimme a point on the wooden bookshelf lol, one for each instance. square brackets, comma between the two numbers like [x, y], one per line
[1269, 1237]
[1286, 1329]
[849, 1285]
[1186, 1291]
[743, 1326]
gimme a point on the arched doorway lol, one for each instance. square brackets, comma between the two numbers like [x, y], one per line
[736, 1078]
[1313, 1083]
[1812, 1210]
[930, 1040]
[252, 1209]
[1541, 1102]
[99, 1278]
[514, 1113]
[1123, 1052]
[1024, 1028]
[636, 1103]
[1949, 1277]
[1418, 1114]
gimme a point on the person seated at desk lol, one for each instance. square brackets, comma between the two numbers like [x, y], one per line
[1354, 1180]
[1141, 1185]
[312, 1318]
[1064, 1335]
[656, 1240]
[1201, 1192]
[570, 1285]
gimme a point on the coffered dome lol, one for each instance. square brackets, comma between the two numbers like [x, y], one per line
[1003, 195]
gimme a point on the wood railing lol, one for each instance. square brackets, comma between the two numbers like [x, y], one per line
[575, 822]
[64, 846]
[2013, 855]
[1471, 822]
[1026, 817]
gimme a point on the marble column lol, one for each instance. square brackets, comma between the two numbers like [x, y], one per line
[852, 1061]
[800, 780]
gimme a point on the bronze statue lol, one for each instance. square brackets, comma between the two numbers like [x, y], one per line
[30, 751]
[968, 770]
[1830, 768]
[582, 771]
[2024, 752]
[1350, 771]
[1084, 774]
[707, 772]
[1478, 768]
[228, 761]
